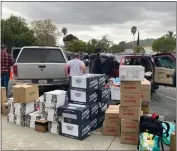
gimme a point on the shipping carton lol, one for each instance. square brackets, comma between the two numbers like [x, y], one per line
[115, 93]
[131, 113]
[145, 85]
[111, 130]
[76, 131]
[50, 114]
[93, 124]
[102, 107]
[4, 109]
[103, 95]
[131, 100]
[145, 109]
[74, 113]
[53, 127]
[129, 138]
[55, 99]
[41, 126]
[3, 95]
[116, 107]
[82, 97]
[146, 97]
[130, 87]
[131, 73]
[173, 141]
[112, 117]
[24, 93]
[129, 125]
[93, 111]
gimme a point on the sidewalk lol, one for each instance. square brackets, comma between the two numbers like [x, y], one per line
[15, 137]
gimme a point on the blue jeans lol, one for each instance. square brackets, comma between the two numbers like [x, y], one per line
[5, 80]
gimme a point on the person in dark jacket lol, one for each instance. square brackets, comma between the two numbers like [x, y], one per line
[95, 66]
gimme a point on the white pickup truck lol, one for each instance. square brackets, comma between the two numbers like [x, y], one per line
[41, 65]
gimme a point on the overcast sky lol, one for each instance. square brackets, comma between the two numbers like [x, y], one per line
[89, 20]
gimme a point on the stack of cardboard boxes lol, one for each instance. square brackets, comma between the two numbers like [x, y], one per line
[130, 102]
[49, 105]
[87, 104]
[22, 104]
[111, 125]
[146, 96]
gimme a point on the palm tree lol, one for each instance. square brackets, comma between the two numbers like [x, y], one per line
[64, 31]
[170, 34]
[133, 31]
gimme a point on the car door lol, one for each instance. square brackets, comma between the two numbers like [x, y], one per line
[165, 65]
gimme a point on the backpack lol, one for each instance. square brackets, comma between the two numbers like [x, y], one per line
[151, 131]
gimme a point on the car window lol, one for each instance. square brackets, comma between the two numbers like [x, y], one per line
[15, 53]
[165, 61]
[37, 55]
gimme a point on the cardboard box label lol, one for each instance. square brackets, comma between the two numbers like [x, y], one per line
[132, 113]
[129, 125]
[131, 100]
[129, 138]
[130, 87]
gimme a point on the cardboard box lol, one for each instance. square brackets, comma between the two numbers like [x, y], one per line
[116, 107]
[55, 99]
[112, 117]
[11, 117]
[4, 109]
[3, 95]
[129, 125]
[131, 100]
[82, 97]
[111, 130]
[22, 109]
[24, 93]
[94, 124]
[75, 113]
[103, 95]
[93, 111]
[131, 73]
[173, 141]
[145, 85]
[115, 93]
[31, 118]
[131, 113]
[130, 87]
[53, 127]
[41, 126]
[86, 82]
[51, 114]
[145, 109]
[146, 96]
[76, 131]
[129, 138]
[102, 107]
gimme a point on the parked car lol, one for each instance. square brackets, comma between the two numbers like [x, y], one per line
[40, 65]
[161, 66]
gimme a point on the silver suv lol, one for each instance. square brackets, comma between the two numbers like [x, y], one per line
[40, 65]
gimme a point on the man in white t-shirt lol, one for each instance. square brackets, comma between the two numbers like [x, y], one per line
[75, 67]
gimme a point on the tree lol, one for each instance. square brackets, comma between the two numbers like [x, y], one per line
[133, 31]
[104, 43]
[164, 44]
[170, 34]
[115, 49]
[76, 46]
[122, 45]
[46, 32]
[69, 38]
[15, 32]
[139, 49]
[64, 31]
[138, 40]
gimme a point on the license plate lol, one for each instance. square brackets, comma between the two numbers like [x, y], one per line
[42, 81]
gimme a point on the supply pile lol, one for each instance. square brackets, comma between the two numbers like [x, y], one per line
[130, 102]
[88, 100]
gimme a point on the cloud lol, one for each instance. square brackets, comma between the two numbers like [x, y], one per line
[95, 19]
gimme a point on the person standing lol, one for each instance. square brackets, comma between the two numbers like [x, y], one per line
[75, 67]
[95, 65]
[6, 63]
